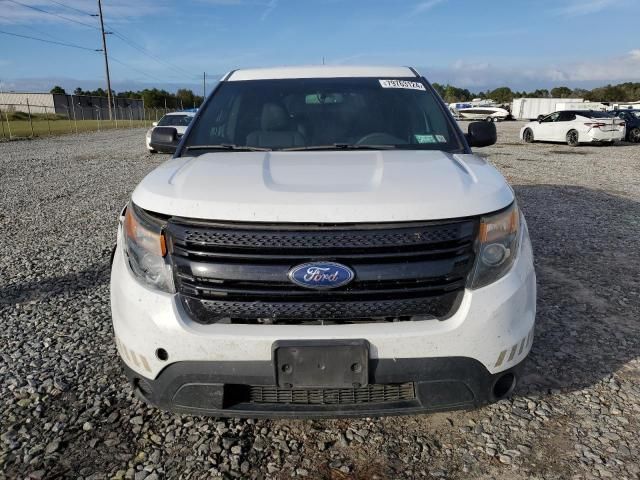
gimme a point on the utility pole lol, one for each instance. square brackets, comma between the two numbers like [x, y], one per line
[204, 85]
[106, 59]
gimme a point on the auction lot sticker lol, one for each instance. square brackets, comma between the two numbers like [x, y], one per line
[402, 84]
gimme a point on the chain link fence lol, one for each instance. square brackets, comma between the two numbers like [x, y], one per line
[44, 121]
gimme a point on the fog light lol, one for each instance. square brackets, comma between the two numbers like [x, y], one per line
[494, 254]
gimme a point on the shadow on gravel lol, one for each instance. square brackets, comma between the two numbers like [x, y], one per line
[586, 245]
[94, 275]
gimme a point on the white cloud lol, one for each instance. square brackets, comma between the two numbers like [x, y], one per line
[586, 7]
[426, 5]
[115, 11]
[271, 6]
[480, 74]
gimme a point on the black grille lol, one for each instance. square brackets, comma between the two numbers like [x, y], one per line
[321, 312]
[240, 272]
[323, 239]
[333, 396]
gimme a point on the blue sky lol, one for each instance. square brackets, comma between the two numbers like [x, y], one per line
[470, 43]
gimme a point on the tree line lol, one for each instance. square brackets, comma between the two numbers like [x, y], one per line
[153, 97]
[623, 92]
[185, 98]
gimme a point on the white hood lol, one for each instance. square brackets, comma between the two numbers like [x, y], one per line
[324, 187]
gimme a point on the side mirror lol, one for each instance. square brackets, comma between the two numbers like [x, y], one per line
[481, 134]
[155, 124]
[164, 139]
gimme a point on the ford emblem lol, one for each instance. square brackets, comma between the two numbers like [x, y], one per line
[321, 275]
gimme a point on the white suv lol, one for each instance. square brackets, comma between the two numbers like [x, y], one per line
[323, 243]
[178, 120]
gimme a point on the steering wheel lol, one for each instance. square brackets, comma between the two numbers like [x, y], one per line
[380, 138]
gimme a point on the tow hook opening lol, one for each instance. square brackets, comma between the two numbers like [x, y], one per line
[504, 385]
[162, 355]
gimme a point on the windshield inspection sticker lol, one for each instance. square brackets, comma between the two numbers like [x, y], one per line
[402, 84]
[425, 138]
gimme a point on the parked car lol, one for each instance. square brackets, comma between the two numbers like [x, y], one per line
[632, 122]
[178, 120]
[324, 242]
[575, 127]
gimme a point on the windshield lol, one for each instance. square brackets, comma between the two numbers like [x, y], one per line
[325, 113]
[175, 121]
[594, 114]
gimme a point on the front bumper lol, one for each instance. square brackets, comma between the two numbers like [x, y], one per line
[411, 385]
[455, 361]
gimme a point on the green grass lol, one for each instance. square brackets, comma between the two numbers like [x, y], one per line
[42, 127]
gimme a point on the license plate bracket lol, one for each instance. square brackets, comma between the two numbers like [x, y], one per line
[321, 363]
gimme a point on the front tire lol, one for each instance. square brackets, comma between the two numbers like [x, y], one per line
[634, 135]
[527, 136]
[573, 138]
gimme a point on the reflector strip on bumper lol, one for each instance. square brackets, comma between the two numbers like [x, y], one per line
[138, 360]
[524, 342]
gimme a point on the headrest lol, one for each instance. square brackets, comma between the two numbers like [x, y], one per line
[274, 117]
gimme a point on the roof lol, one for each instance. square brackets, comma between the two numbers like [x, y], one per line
[319, 71]
[184, 112]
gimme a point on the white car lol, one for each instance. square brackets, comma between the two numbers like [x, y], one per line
[323, 242]
[575, 127]
[179, 120]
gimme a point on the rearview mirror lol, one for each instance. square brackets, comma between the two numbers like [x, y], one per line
[481, 134]
[164, 139]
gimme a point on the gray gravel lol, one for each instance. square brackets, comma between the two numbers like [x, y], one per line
[67, 411]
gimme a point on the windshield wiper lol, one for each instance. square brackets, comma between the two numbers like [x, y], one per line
[227, 146]
[341, 146]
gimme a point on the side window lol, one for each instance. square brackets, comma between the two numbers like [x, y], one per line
[551, 118]
[566, 116]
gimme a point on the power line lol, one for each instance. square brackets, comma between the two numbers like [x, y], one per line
[40, 32]
[54, 14]
[128, 41]
[117, 34]
[111, 57]
[146, 52]
[73, 8]
[51, 41]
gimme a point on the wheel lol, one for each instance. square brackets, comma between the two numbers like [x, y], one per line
[634, 135]
[572, 138]
[527, 135]
[488, 119]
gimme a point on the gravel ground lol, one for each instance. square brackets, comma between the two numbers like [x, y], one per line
[67, 411]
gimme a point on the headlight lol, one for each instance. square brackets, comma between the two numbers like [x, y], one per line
[145, 249]
[497, 246]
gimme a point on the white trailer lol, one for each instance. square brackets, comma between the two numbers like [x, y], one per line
[581, 106]
[624, 105]
[532, 108]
